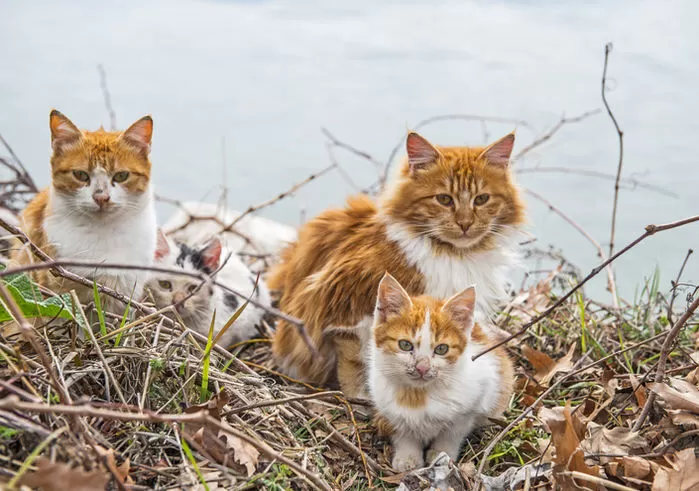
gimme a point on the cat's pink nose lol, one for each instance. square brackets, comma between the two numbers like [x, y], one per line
[422, 367]
[101, 199]
[465, 227]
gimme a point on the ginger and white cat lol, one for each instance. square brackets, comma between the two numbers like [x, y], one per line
[421, 378]
[449, 221]
[197, 311]
[98, 208]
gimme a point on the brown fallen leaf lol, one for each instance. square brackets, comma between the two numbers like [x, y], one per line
[121, 472]
[682, 395]
[243, 453]
[639, 391]
[566, 432]
[55, 476]
[544, 366]
[683, 475]
[618, 440]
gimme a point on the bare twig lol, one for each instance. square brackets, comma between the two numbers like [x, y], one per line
[607, 50]
[29, 334]
[278, 402]
[675, 284]
[251, 209]
[664, 352]
[107, 97]
[519, 418]
[600, 252]
[650, 230]
[549, 134]
[134, 414]
[632, 182]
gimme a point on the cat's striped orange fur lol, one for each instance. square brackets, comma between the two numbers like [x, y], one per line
[455, 202]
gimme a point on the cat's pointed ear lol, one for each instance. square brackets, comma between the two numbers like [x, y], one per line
[498, 154]
[461, 308]
[421, 153]
[391, 299]
[162, 247]
[63, 132]
[211, 254]
[139, 134]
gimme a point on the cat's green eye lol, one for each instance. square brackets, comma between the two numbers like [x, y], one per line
[120, 176]
[481, 199]
[191, 288]
[81, 175]
[405, 345]
[441, 349]
[166, 285]
[444, 200]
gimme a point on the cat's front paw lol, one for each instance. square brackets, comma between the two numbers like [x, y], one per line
[407, 461]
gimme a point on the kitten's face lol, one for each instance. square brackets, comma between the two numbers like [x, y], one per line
[100, 173]
[172, 289]
[459, 196]
[419, 340]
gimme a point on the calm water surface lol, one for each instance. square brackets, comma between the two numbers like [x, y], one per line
[240, 90]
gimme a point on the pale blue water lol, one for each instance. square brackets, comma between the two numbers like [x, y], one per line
[266, 76]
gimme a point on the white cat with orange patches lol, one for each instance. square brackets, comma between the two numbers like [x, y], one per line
[421, 378]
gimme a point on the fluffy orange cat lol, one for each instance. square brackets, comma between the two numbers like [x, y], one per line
[421, 378]
[449, 221]
[99, 206]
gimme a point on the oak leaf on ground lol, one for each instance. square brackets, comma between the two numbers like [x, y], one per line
[546, 367]
[56, 476]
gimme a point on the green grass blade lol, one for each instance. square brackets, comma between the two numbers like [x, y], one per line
[204, 393]
[124, 318]
[98, 307]
[192, 460]
[237, 313]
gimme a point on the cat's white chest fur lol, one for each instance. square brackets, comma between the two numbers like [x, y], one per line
[126, 237]
[445, 275]
[463, 399]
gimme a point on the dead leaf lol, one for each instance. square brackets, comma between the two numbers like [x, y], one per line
[121, 472]
[682, 395]
[636, 467]
[544, 366]
[639, 391]
[683, 475]
[566, 432]
[55, 476]
[618, 440]
[243, 453]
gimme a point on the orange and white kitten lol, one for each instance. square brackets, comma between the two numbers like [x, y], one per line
[99, 206]
[421, 377]
[449, 221]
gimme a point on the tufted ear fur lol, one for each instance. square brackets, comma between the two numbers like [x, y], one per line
[139, 134]
[162, 247]
[211, 254]
[461, 308]
[64, 133]
[391, 299]
[498, 154]
[421, 153]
